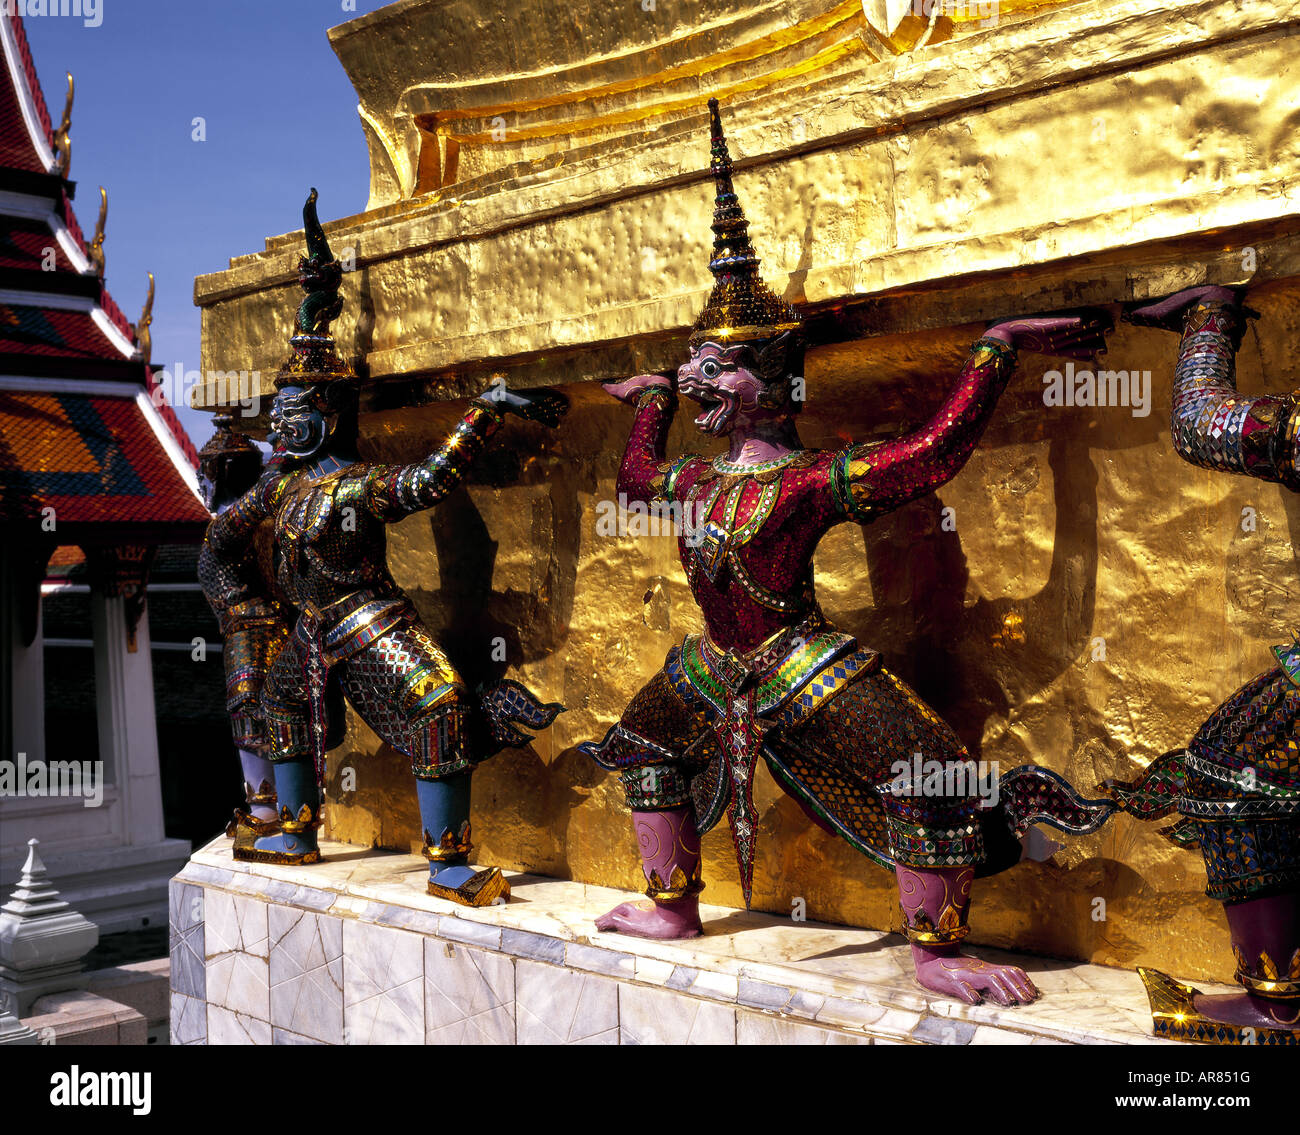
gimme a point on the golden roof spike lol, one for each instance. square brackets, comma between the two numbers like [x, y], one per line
[62, 140]
[97, 245]
[143, 336]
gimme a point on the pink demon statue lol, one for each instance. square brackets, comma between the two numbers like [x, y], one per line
[770, 677]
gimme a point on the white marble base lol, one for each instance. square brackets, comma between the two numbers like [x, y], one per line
[352, 951]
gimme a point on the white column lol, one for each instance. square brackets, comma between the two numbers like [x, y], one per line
[128, 731]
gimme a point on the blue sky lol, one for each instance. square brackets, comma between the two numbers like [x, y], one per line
[280, 117]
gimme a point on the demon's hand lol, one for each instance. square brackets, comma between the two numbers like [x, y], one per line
[1071, 335]
[540, 405]
[630, 389]
[1168, 313]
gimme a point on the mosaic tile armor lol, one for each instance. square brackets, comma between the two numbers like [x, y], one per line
[355, 635]
[253, 619]
[354, 627]
[254, 623]
[772, 679]
[1237, 784]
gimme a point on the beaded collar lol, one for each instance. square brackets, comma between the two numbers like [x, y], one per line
[726, 474]
[737, 469]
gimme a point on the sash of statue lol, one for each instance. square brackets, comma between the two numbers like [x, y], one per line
[740, 736]
[309, 632]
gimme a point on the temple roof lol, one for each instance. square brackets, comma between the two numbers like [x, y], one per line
[26, 133]
[95, 453]
[83, 425]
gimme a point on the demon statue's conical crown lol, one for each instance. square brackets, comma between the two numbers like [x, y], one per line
[741, 307]
[315, 361]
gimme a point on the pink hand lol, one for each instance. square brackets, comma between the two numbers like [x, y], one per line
[630, 388]
[1080, 335]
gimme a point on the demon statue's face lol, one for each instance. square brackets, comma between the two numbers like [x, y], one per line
[298, 427]
[207, 489]
[228, 468]
[740, 379]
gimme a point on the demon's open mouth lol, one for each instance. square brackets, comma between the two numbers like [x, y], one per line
[719, 406]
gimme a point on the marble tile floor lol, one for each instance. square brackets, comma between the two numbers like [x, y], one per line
[352, 950]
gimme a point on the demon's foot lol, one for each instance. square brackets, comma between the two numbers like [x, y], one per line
[971, 980]
[1249, 1011]
[654, 919]
[290, 844]
[1180, 1012]
[292, 849]
[467, 886]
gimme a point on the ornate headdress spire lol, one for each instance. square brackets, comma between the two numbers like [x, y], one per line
[228, 462]
[315, 358]
[741, 307]
[226, 443]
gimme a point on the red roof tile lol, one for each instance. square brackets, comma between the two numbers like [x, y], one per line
[46, 329]
[92, 459]
[29, 69]
[159, 399]
[26, 330]
[17, 150]
[23, 244]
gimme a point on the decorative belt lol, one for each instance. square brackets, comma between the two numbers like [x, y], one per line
[736, 667]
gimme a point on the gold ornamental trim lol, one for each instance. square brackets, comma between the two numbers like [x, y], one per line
[935, 937]
[305, 821]
[920, 929]
[1174, 1015]
[1281, 989]
[280, 858]
[451, 846]
[678, 886]
[244, 828]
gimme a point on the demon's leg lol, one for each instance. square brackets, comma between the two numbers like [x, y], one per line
[663, 819]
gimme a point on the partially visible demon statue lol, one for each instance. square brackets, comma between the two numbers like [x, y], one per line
[1236, 787]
